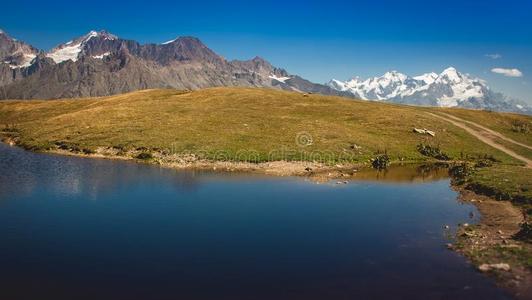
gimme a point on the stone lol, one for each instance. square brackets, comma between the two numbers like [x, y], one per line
[490, 267]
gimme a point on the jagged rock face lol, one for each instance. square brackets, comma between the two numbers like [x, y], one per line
[447, 89]
[87, 77]
[183, 49]
[14, 55]
[99, 64]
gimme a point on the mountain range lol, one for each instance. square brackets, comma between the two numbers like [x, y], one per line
[449, 88]
[100, 64]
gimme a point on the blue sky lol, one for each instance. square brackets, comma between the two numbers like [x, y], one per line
[319, 40]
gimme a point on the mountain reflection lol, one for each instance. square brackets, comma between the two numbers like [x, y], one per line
[25, 173]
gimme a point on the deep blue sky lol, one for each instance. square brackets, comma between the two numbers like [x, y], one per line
[319, 40]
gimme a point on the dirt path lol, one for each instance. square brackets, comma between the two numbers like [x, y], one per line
[486, 137]
[489, 131]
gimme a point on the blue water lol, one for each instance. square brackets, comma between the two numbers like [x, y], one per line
[73, 228]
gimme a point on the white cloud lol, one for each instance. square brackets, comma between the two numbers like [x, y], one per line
[508, 72]
[494, 56]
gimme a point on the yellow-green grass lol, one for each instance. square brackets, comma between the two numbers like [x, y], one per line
[505, 182]
[525, 152]
[223, 123]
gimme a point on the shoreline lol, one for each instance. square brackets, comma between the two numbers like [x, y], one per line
[481, 244]
[489, 245]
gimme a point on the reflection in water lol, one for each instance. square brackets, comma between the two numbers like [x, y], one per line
[405, 173]
[22, 170]
[74, 228]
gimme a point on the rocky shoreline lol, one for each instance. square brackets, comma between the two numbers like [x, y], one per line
[491, 245]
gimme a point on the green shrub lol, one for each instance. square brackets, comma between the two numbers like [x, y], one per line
[460, 172]
[381, 161]
[88, 151]
[520, 127]
[525, 234]
[144, 156]
[432, 151]
[483, 163]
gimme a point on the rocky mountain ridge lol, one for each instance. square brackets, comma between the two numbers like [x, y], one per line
[100, 63]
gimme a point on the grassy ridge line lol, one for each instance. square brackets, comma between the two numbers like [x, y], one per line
[232, 120]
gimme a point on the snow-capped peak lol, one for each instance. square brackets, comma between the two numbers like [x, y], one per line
[394, 75]
[451, 74]
[427, 78]
[72, 49]
[449, 88]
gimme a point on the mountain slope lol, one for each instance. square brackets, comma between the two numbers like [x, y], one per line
[450, 88]
[100, 64]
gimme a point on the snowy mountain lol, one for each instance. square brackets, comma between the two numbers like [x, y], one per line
[72, 50]
[14, 53]
[450, 88]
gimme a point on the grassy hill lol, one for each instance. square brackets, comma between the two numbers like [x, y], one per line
[248, 124]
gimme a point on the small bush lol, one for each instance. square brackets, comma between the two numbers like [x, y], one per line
[381, 162]
[525, 233]
[67, 146]
[62, 145]
[88, 151]
[120, 147]
[460, 172]
[483, 163]
[432, 151]
[75, 149]
[488, 157]
[520, 127]
[144, 156]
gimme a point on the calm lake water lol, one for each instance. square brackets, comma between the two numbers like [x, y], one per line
[73, 228]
